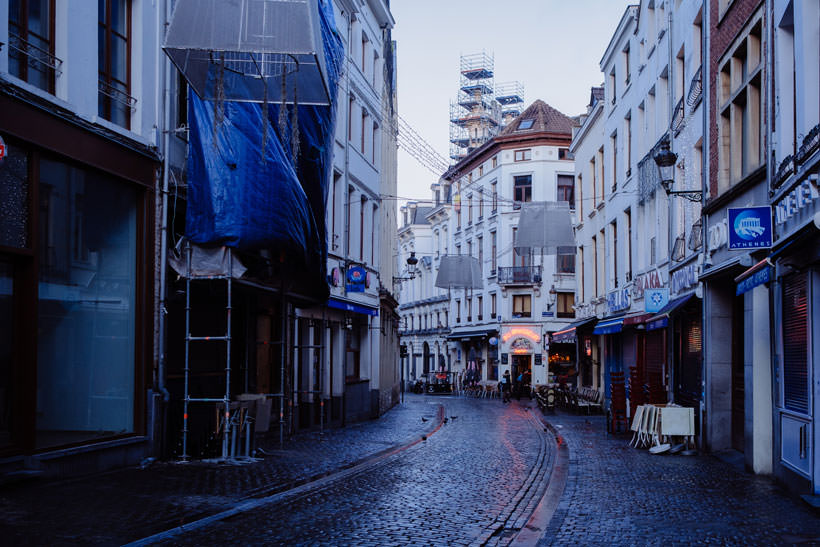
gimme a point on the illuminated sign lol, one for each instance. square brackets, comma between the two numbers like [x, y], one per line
[521, 331]
[521, 345]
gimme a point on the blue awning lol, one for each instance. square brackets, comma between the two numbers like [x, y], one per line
[658, 323]
[349, 306]
[609, 326]
[750, 282]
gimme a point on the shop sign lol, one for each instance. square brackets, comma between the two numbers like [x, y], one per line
[797, 201]
[335, 277]
[521, 345]
[750, 228]
[655, 300]
[588, 346]
[618, 300]
[718, 235]
[538, 360]
[505, 358]
[516, 332]
[758, 278]
[648, 280]
[356, 276]
[684, 278]
[2, 149]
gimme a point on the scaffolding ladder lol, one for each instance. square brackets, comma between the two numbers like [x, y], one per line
[226, 338]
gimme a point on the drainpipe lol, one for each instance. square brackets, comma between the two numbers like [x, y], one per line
[166, 165]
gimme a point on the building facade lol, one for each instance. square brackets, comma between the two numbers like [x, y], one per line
[78, 241]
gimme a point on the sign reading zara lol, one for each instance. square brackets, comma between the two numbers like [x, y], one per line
[750, 228]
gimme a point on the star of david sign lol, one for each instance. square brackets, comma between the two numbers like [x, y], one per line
[657, 298]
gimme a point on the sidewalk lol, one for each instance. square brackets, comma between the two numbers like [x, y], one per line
[125, 505]
[619, 495]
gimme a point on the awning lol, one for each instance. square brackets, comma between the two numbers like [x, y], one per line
[480, 333]
[758, 274]
[661, 319]
[609, 326]
[350, 306]
[567, 335]
[637, 319]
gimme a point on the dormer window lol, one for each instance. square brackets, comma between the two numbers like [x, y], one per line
[526, 124]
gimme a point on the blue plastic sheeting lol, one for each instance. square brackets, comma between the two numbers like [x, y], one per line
[244, 188]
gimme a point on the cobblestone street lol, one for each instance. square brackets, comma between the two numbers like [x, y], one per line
[476, 479]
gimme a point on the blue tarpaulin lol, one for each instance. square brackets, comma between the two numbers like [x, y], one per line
[246, 191]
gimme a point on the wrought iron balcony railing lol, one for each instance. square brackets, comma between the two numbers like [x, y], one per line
[519, 275]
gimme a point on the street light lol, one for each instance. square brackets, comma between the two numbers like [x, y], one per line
[411, 269]
[666, 160]
[552, 296]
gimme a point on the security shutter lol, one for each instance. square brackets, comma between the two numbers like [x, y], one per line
[795, 343]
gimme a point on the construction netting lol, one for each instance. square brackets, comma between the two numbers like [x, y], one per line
[545, 227]
[258, 172]
[251, 50]
[459, 272]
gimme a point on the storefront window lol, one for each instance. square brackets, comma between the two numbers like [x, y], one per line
[14, 208]
[795, 343]
[6, 344]
[86, 311]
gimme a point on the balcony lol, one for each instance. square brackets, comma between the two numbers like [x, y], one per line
[519, 275]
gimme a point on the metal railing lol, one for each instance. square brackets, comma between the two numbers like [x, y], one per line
[519, 275]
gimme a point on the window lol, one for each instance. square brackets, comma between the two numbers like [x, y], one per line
[348, 217]
[612, 86]
[495, 162]
[522, 305]
[361, 227]
[593, 173]
[600, 176]
[480, 203]
[458, 310]
[480, 311]
[566, 190]
[458, 213]
[565, 264]
[614, 225]
[114, 61]
[481, 170]
[579, 197]
[352, 354]
[493, 255]
[494, 185]
[628, 144]
[626, 65]
[88, 226]
[468, 304]
[182, 103]
[628, 246]
[469, 210]
[564, 154]
[564, 305]
[373, 225]
[364, 51]
[364, 130]
[595, 291]
[480, 242]
[614, 144]
[526, 124]
[523, 155]
[332, 243]
[350, 118]
[374, 137]
[581, 271]
[31, 41]
[522, 188]
[492, 305]
[740, 128]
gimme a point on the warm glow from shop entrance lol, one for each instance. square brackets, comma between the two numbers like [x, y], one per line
[521, 331]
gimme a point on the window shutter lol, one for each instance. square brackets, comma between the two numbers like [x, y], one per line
[795, 344]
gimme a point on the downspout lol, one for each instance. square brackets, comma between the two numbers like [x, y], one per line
[163, 259]
[706, 82]
[348, 205]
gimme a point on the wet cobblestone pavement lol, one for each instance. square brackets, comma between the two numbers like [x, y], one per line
[476, 480]
[618, 495]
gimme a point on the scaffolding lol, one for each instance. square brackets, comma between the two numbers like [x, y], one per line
[234, 420]
[510, 95]
[475, 115]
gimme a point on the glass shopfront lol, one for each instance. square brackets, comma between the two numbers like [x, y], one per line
[79, 229]
[87, 273]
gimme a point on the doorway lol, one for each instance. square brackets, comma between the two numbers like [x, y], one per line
[521, 366]
[738, 380]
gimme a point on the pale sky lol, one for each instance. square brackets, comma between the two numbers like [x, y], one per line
[552, 46]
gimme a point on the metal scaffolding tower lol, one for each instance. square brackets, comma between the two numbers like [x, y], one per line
[475, 116]
[510, 95]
